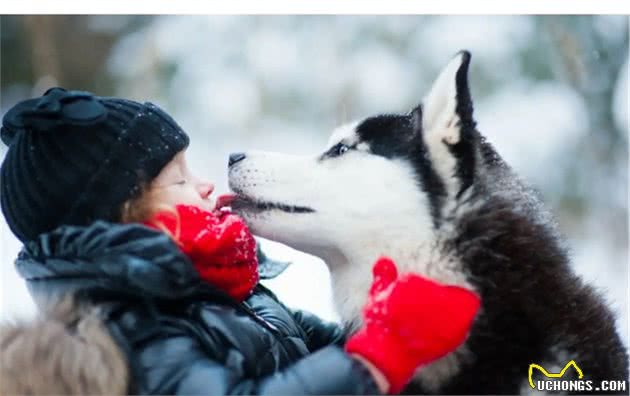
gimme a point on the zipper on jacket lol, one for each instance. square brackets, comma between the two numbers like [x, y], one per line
[262, 320]
[243, 306]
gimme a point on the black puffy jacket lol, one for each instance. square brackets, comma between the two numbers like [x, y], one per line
[180, 335]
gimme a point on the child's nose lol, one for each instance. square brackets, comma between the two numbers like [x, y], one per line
[205, 189]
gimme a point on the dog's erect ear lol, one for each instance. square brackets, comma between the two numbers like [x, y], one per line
[446, 125]
[449, 99]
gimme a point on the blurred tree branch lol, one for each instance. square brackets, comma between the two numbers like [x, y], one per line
[590, 63]
[73, 50]
[591, 66]
[42, 31]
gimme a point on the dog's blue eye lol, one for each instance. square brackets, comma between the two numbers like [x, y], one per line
[338, 150]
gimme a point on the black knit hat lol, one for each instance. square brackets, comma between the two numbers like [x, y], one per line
[74, 158]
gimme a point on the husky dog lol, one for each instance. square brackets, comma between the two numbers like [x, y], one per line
[426, 189]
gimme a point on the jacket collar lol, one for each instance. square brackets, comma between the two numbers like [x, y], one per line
[128, 260]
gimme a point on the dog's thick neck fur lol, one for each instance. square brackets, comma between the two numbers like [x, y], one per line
[406, 247]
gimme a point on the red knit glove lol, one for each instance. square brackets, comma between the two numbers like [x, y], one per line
[410, 321]
[219, 245]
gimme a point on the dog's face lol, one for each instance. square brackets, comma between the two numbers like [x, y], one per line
[345, 193]
[379, 179]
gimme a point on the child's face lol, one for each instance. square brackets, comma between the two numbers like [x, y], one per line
[175, 185]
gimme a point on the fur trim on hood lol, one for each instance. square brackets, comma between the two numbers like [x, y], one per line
[66, 350]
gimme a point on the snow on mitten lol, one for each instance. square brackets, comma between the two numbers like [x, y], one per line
[219, 245]
[410, 321]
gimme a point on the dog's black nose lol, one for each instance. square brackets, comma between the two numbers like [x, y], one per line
[235, 157]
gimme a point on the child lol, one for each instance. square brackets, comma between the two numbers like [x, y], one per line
[80, 175]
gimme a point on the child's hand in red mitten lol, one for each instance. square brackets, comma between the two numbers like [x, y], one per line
[410, 321]
[219, 245]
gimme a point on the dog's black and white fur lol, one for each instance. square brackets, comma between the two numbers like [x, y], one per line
[427, 189]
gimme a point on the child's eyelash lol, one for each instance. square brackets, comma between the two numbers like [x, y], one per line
[183, 181]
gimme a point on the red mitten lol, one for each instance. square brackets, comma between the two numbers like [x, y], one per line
[219, 245]
[410, 321]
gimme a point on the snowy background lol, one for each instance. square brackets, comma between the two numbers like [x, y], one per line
[551, 94]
